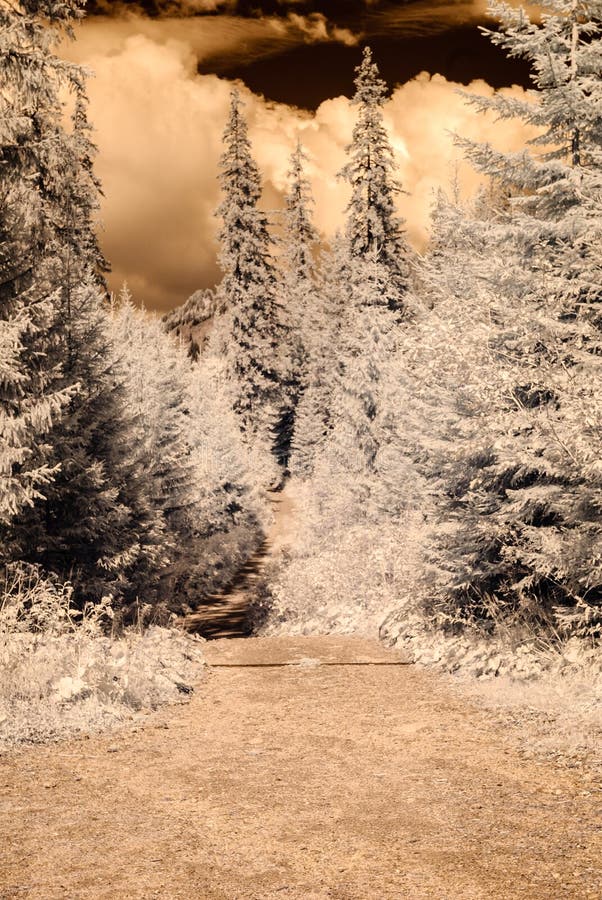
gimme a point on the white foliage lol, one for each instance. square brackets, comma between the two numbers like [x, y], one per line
[62, 674]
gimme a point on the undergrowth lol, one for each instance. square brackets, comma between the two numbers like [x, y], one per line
[66, 671]
[544, 686]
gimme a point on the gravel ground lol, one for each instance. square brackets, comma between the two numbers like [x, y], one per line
[300, 780]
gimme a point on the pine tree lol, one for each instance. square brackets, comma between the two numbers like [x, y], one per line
[372, 223]
[314, 414]
[79, 201]
[527, 491]
[95, 524]
[187, 444]
[92, 522]
[300, 240]
[31, 143]
[362, 426]
[298, 266]
[159, 397]
[306, 318]
[256, 337]
[24, 422]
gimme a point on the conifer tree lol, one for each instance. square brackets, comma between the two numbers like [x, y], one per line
[527, 490]
[362, 425]
[159, 397]
[298, 266]
[372, 222]
[95, 524]
[93, 521]
[256, 336]
[314, 414]
[31, 146]
[300, 237]
[24, 422]
[305, 317]
[196, 468]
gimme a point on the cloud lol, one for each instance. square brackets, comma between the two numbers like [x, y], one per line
[421, 18]
[316, 29]
[158, 128]
[178, 8]
[236, 39]
[157, 8]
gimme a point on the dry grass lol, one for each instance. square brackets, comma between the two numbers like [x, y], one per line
[62, 672]
[558, 715]
[548, 691]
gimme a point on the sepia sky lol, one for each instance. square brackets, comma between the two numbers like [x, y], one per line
[159, 100]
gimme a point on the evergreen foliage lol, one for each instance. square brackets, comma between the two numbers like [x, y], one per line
[314, 415]
[93, 522]
[138, 474]
[32, 143]
[95, 525]
[186, 443]
[307, 318]
[256, 336]
[524, 489]
[372, 222]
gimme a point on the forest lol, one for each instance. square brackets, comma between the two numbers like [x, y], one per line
[435, 416]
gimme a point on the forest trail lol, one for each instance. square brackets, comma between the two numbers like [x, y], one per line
[225, 614]
[293, 773]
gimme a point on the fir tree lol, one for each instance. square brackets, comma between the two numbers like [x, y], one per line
[32, 142]
[256, 337]
[526, 490]
[372, 222]
[93, 521]
[159, 396]
[314, 414]
[96, 524]
[300, 236]
[25, 420]
[305, 317]
[362, 426]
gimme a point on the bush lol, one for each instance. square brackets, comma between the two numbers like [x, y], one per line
[64, 671]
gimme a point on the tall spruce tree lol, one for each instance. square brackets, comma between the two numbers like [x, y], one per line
[26, 417]
[314, 416]
[96, 524]
[256, 337]
[301, 236]
[527, 493]
[298, 252]
[372, 222]
[93, 521]
[306, 317]
[31, 142]
[362, 426]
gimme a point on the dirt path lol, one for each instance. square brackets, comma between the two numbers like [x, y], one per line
[226, 613]
[306, 781]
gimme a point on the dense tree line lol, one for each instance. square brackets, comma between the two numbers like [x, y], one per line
[464, 383]
[112, 451]
[458, 390]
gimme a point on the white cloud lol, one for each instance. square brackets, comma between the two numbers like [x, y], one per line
[240, 39]
[158, 128]
[316, 28]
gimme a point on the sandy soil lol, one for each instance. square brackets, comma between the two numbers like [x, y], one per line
[299, 781]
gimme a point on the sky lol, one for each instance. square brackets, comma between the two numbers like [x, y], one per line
[163, 71]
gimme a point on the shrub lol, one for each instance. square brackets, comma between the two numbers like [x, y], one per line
[64, 671]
